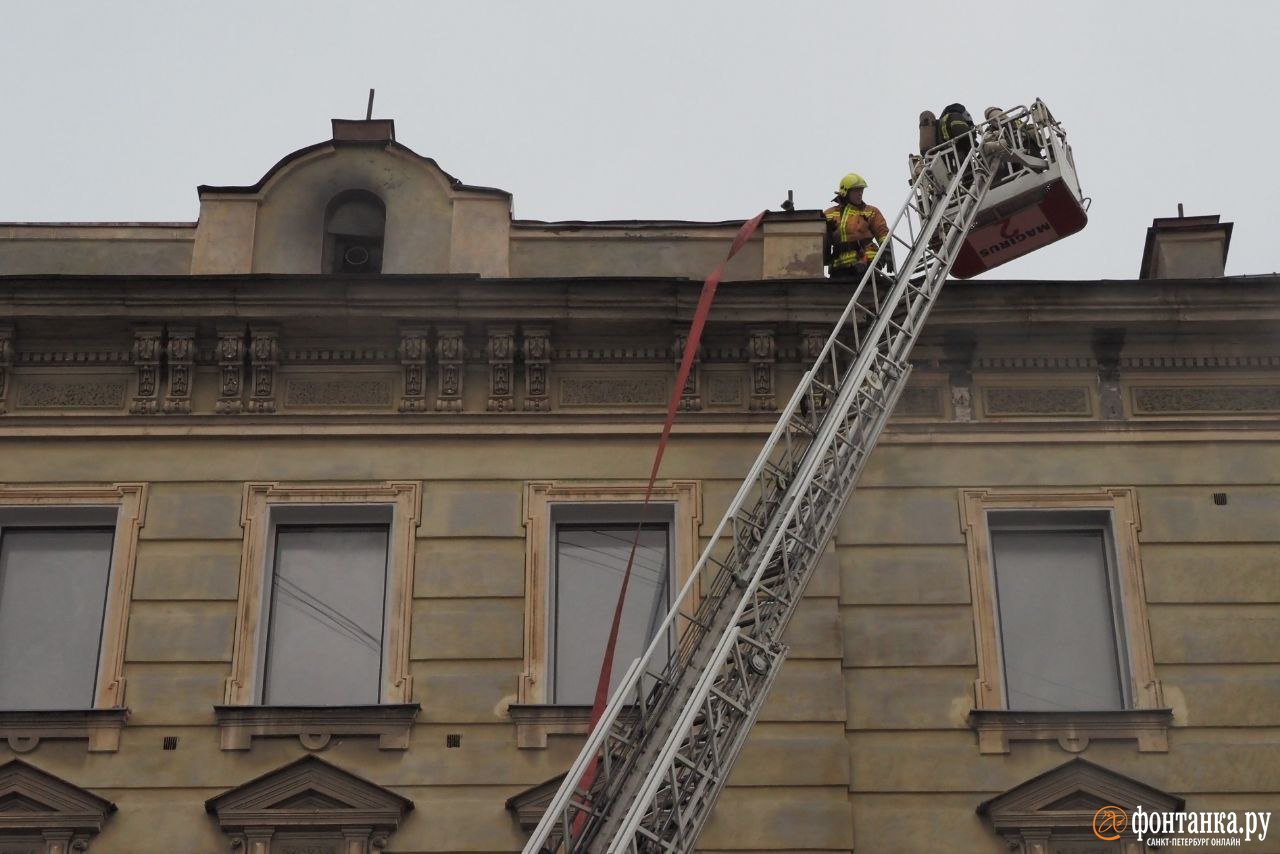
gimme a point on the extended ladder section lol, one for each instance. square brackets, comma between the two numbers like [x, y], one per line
[651, 771]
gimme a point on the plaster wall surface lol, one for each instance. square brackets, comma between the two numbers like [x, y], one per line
[863, 745]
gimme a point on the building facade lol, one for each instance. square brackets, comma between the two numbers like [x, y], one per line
[310, 516]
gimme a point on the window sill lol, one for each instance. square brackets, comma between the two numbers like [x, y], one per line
[24, 730]
[315, 726]
[535, 721]
[1073, 731]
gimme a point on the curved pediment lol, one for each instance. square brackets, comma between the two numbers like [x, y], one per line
[433, 223]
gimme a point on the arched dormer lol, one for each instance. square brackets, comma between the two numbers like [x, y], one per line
[354, 227]
[432, 222]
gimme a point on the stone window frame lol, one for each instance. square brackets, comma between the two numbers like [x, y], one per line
[1147, 720]
[535, 718]
[101, 723]
[240, 718]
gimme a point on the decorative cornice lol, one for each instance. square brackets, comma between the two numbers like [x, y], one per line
[101, 727]
[1073, 731]
[314, 726]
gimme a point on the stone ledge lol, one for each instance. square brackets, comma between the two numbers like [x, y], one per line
[314, 726]
[24, 730]
[1073, 731]
[535, 721]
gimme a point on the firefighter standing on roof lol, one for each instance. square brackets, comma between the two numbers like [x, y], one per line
[855, 231]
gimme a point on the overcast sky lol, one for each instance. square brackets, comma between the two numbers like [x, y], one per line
[115, 111]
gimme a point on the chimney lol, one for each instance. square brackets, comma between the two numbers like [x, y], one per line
[1186, 247]
[364, 130]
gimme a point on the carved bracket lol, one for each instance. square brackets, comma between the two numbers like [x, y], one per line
[264, 355]
[1107, 345]
[958, 353]
[690, 397]
[763, 352]
[180, 349]
[537, 360]
[230, 369]
[413, 358]
[502, 356]
[6, 361]
[146, 358]
[450, 356]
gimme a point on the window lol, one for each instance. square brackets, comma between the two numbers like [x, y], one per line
[322, 634]
[578, 536]
[324, 639]
[353, 233]
[1058, 605]
[590, 560]
[1064, 647]
[67, 558]
[53, 596]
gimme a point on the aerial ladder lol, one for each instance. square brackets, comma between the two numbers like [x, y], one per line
[651, 770]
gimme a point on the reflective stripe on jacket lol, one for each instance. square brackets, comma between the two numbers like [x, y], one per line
[851, 231]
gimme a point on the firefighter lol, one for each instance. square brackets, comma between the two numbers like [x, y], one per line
[855, 230]
[955, 123]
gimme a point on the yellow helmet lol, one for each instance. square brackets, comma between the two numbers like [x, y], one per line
[852, 181]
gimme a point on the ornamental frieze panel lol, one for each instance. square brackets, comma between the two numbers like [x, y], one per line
[1040, 401]
[360, 391]
[921, 402]
[1206, 399]
[42, 391]
[724, 386]
[614, 389]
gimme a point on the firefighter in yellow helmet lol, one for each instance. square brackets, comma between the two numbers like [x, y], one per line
[856, 231]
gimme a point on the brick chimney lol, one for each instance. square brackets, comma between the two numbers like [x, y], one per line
[368, 130]
[1186, 247]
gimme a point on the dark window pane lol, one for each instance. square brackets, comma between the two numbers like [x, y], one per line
[590, 561]
[1057, 620]
[53, 592]
[324, 641]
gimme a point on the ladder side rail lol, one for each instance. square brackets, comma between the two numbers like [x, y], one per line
[891, 339]
[783, 429]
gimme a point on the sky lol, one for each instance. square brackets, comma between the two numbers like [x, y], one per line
[666, 110]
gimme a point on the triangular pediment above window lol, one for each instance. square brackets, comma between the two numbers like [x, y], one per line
[309, 793]
[32, 800]
[529, 805]
[1067, 797]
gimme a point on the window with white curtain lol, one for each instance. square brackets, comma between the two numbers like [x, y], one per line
[54, 579]
[1060, 613]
